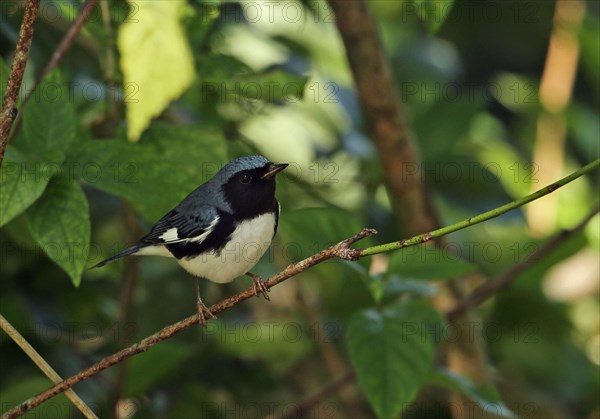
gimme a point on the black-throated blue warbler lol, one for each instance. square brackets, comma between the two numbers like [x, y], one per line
[221, 229]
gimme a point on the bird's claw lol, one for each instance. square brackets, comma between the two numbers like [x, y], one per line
[259, 287]
[203, 313]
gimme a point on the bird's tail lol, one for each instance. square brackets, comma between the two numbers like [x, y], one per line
[129, 251]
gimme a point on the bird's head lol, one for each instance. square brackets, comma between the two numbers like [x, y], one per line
[249, 184]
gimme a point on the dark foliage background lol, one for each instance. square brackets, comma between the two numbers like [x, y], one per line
[273, 79]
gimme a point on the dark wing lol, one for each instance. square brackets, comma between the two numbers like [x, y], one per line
[181, 225]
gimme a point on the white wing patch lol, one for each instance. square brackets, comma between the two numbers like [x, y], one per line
[209, 229]
[172, 235]
[248, 243]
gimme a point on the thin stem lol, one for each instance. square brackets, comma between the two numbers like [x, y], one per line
[491, 288]
[304, 406]
[9, 102]
[341, 250]
[69, 38]
[422, 238]
[44, 366]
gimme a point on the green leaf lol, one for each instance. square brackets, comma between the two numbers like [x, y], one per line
[49, 120]
[147, 370]
[310, 230]
[60, 223]
[392, 352]
[155, 174]
[423, 262]
[22, 182]
[486, 397]
[48, 131]
[433, 12]
[157, 65]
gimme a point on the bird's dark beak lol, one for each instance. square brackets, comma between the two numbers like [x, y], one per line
[274, 169]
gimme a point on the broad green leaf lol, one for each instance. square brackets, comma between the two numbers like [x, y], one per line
[156, 60]
[155, 174]
[48, 131]
[433, 12]
[147, 370]
[488, 398]
[22, 182]
[60, 223]
[392, 352]
[427, 262]
[49, 120]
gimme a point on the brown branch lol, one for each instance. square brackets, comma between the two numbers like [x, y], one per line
[69, 38]
[341, 250]
[477, 297]
[491, 288]
[9, 102]
[381, 107]
[126, 321]
[399, 156]
[320, 396]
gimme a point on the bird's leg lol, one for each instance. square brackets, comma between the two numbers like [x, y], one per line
[203, 312]
[259, 286]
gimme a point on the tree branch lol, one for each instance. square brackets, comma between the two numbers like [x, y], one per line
[44, 366]
[381, 107]
[69, 38]
[342, 250]
[303, 407]
[9, 102]
[478, 296]
[489, 289]
[422, 238]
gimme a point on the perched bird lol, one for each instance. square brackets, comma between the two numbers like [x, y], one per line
[221, 229]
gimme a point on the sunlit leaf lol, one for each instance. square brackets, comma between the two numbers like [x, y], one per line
[156, 61]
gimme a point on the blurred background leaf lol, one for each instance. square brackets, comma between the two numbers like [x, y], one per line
[240, 78]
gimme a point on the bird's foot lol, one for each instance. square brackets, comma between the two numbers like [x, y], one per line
[203, 313]
[259, 286]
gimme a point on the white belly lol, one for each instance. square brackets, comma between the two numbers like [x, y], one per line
[249, 242]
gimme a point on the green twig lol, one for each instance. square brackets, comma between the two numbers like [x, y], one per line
[422, 238]
[341, 250]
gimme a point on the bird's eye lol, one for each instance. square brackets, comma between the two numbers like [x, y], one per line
[245, 178]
